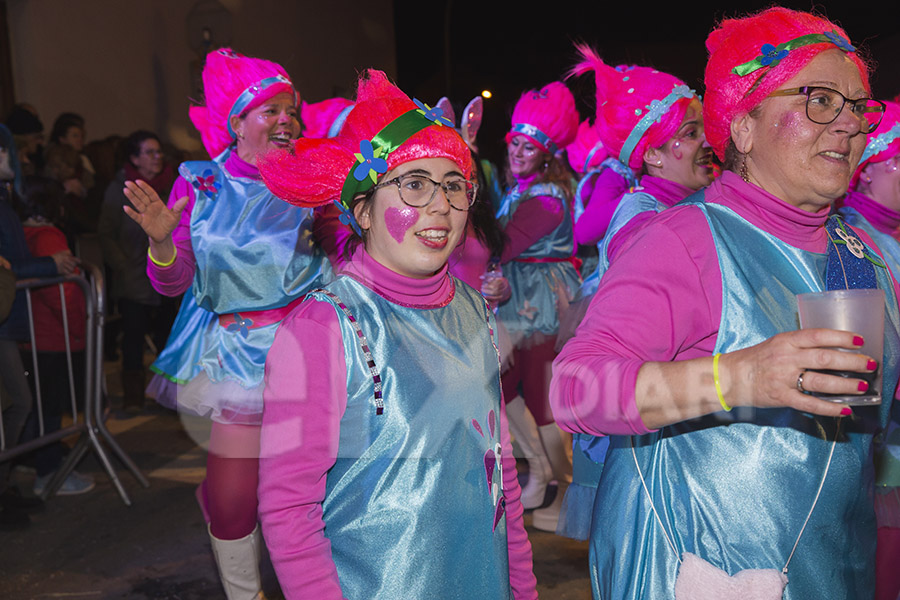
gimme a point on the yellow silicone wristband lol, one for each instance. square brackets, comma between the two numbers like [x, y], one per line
[718, 385]
[161, 264]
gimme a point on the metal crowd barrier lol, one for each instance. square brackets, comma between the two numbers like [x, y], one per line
[89, 423]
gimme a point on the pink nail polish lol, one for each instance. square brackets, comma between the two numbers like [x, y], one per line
[871, 365]
[858, 340]
[863, 386]
[846, 411]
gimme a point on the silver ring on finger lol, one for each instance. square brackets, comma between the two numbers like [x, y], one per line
[800, 382]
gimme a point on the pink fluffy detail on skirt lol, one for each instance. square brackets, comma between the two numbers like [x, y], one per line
[222, 401]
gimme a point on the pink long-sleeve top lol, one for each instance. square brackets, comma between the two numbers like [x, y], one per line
[661, 300]
[667, 192]
[533, 219]
[306, 388]
[176, 278]
[881, 217]
[604, 194]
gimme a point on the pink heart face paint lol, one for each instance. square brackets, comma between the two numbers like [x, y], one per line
[399, 220]
[414, 242]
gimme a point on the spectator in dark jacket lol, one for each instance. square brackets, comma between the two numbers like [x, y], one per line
[125, 252]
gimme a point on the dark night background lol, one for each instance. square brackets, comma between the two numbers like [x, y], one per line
[459, 47]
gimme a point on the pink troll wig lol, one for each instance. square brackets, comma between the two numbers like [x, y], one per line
[586, 151]
[319, 117]
[234, 84]
[547, 117]
[774, 44]
[883, 143]
[317, 170]
[626, 96]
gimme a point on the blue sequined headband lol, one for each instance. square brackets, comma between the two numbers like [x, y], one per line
[655, 111]
[539, 136]
[247, 96]
[880, 143]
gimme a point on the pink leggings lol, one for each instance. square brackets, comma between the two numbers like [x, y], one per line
[232, 474]
[529, 376]
[887, 574]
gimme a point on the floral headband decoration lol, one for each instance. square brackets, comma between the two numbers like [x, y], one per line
[371, 160]
[655, 110]
[771, 55]
[880, 143]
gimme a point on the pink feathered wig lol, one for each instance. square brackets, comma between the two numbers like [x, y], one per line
[547, 117]
[626, 97]
[768, 48]
[316, 172]
[883, 143]
[586, 151]
[234, 84]
[319, 118]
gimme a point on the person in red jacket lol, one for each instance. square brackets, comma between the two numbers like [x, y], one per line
[40, 208]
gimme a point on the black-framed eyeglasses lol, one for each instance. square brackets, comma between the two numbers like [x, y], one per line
[823, 105]
[418, 191]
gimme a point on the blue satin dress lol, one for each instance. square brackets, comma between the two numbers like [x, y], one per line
[253, 252]
[887, 459]
[734, 488]
[588, 451]
[414, 506]
[531, 307]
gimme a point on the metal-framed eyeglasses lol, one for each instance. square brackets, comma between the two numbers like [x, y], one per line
[419, 191]
[823, 105]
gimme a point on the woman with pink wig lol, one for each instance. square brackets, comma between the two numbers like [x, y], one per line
[539, 261]
[387, 470]
[697, 315]
[651, 123]
[873, 205]
[245, 258]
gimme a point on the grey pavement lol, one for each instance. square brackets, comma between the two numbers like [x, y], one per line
[93, 546]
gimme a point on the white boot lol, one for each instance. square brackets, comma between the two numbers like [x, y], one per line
[554, 441]
[238, 562]
[524, 429]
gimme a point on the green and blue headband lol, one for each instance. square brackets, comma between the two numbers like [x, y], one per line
[770, 56]
[371, 160]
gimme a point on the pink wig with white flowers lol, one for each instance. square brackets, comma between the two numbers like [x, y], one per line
[626, 122]
[883, 143]
[751, 57]
[586, 151]
[234, 84]
[320, 118]
[316, 172]
[547, 117]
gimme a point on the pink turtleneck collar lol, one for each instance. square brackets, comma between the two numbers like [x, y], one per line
[525, 182]
[792, 225]
[238, 167]
[881, 217]
[431, 292]
[666, 191]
